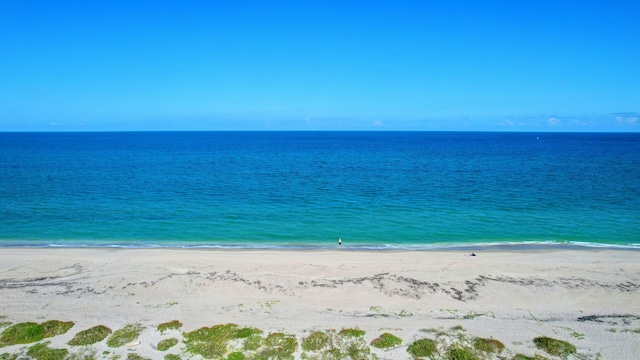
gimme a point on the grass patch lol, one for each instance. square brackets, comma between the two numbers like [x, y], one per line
[575, 334]
[422, 348]
[42, 351]
[473, 315]
[90, 336]
[347, 344]
[171, 325]
[29, 332]
[525, 357]
[636, 331]
[134, 356]
[252, 342]
[56, 327]
[279, 346]
[351, 333]
[488, 345]
[210, 342]
[236, 356]
[316, 341]
[172, 357]
[386, 341]
[125, 335]
[458, 352]
[22, 333]
[167, 344]
[554, 346]
[247, 332]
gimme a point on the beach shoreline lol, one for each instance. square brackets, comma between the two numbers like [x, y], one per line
[586, 296]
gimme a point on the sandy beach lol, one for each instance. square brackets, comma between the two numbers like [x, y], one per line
[587, 297]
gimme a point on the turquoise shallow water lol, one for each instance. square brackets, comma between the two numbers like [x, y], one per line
[305, 189]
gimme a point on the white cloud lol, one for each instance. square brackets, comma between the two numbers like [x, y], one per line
[553, 121]
[631, 120]
[377, 123]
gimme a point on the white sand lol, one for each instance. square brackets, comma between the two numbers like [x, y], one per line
[589, 298]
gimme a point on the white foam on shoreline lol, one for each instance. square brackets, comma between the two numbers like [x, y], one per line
[527, 245]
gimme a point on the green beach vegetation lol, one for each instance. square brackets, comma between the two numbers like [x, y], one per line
[524, 357]
[42, 351]
[316, 341]
[29, 332]
[90, 336]
[346, 344]
[554, 346]
[461, 352]
[171, 325]
[232, 342]
[422, 348]
[166, 344]
[488, 345]
[221, 340]
[125, 335]
[386, 341]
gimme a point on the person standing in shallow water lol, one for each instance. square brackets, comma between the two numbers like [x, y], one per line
[340, 241]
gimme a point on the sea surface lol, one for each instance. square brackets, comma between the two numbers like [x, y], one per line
[375, 190]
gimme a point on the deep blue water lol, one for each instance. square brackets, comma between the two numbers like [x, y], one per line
[281, 189]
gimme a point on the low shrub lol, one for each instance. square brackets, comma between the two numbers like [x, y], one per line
[488, 345]
[422, 348]
[171, 325]
[42, 351]
[315, 341]
[386, 341]
[125, 335]
[554, 346]
[90, 336]
[167, 344]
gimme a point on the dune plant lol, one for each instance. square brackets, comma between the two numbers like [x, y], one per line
[247, 332]
[134, 356]
[488, 345]
[125, 335]
[459, 352]
[386, 341]
[22, 333]
[171, 325]
[28, 332]
[236, 356]
[252, 342]
[422, 348]
[90, 336]
[210, 342]
[279, 345]
[554, 346]
[42, 351]
[351, 332]
[56, 327]
[316, 341]
[166, 344]
[524, 357]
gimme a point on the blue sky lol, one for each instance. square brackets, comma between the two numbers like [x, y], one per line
[320, 65]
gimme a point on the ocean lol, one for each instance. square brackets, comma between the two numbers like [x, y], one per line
[374, 190]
